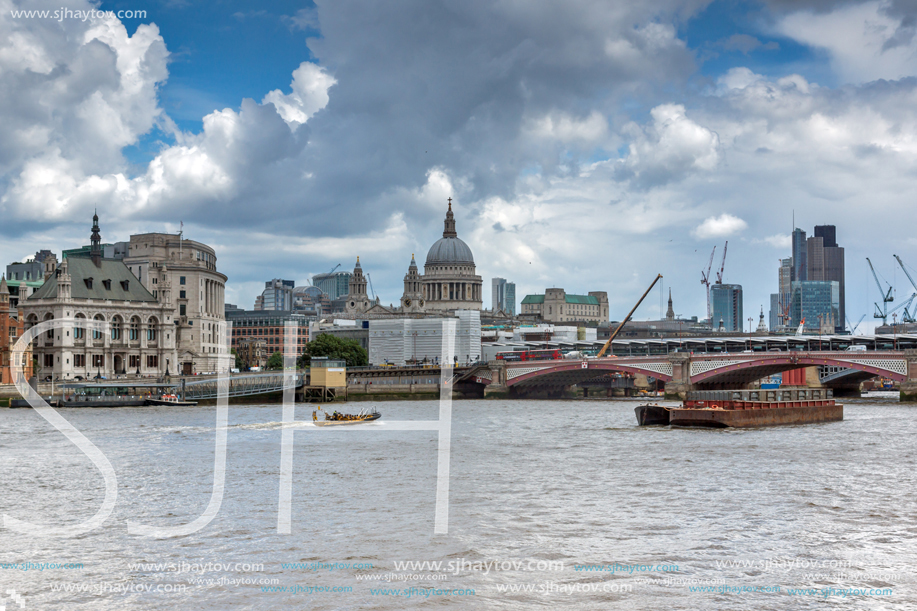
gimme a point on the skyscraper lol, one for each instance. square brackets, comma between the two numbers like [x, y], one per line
[825, 263]
[799, 255]
[727, 306]
[503, 295]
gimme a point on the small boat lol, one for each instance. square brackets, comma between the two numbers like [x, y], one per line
[170, 400]
[339, 419]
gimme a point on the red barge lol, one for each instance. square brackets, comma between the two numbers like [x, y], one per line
[746, 408]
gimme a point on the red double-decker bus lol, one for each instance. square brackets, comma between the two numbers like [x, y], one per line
[530, 355]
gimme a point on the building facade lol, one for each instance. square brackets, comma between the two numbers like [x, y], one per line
[450, 281]
[277, 295]
[252, 352]
[503, 295]
[335, 284]
[726, 300]
[185, 271]
[267, 326]
[825, 263]
[558, 306]
[141, 336]
[817, 302]
[11, 328]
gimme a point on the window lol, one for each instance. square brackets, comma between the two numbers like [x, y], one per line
[125, 284]
[181, 295]
[134, 360]
[49, 360]
[107, 284]
[181, 280]
[79, 360]
[116, 329]
[135, 330]
[88, 282]
[182, 310]
[98, 360]
[152, 360]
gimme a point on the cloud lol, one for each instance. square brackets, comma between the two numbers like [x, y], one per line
[781, 241]
[304, 19]
[720, 226]
[746, 44]
[669, 148]
[310, 94]
[866, 41]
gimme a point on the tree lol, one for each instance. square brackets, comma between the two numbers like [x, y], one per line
[238, 358]
[334, 347]
[275, 362]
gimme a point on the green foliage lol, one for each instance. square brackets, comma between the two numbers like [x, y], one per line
[334, 348]
[275, 362]
[238, 358]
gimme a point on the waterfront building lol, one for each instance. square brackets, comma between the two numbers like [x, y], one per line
[11, 328]
[142, 336]
[267, 326]
[726, 300]
[556, 305]
[196, 293]
[503, 295]
[449, 280]
[277, 295]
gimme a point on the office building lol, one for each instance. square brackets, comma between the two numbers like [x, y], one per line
[277, 295]
[268, 326]
[503, 295]
[799, 255]
[11, 328]
[726, 300]
[403, 340]
[825, 263]
[818, 303]
[335, 284]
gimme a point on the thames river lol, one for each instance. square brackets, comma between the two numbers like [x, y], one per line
[552, 504]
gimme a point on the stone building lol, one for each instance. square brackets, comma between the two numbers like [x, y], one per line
[252, 352]
[196, 295]
[142, 333]
[557, 306]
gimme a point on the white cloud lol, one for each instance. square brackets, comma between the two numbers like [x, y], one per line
[310, 94]
[563, 127]
[670, 147]
[720, 226]
[781, 241]
[858, 38]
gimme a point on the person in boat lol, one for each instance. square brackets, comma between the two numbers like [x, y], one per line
[314, 416]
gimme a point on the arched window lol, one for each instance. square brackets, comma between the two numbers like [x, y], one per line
[152, 323]
[135, 329]
[50, 334]
[116, 328]
[97, 334]
[79, 332]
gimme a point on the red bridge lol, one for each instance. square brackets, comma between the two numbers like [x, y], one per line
[682, 372]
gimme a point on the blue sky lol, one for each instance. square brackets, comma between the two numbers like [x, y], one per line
[588, 145]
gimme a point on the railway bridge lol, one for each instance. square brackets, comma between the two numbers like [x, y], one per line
[681, 372]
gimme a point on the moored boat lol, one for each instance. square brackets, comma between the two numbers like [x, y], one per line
[338, 419]
[172, 400]
[648, 415]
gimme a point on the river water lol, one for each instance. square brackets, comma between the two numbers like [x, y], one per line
[553, 504]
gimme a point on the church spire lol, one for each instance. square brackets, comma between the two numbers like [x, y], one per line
[449, 231]
[95, 250]
[670, 313]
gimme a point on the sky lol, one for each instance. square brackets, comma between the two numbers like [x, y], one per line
[587, 145]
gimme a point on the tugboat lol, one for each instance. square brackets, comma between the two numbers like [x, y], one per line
[338, 419]
[746, 408]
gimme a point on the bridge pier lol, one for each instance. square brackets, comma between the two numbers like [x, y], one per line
[677, 388]
[908, 391]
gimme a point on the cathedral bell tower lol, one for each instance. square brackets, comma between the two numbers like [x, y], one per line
[412, 300]
[357, 299]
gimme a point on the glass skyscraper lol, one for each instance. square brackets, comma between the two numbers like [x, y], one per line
[727, 306]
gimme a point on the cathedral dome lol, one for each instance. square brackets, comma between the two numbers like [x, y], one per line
[449, 250]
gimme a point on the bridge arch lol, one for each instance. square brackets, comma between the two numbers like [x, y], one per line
[735, 373]
[556, 374]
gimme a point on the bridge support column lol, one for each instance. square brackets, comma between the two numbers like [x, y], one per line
[497, 389]
[680, 384]
[909, 387]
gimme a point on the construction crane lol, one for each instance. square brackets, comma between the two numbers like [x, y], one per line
[853, 328]
[370, 279]
[799, 330]
[626, 318]
[719, 274]
[908, 317]
[705, 280]
[883, 311]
